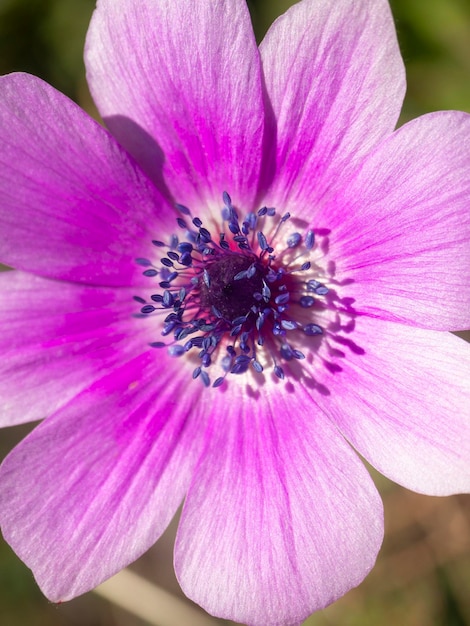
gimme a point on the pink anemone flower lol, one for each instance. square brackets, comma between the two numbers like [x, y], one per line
[219, 298]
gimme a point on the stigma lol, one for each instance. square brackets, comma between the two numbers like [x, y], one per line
[236, 301]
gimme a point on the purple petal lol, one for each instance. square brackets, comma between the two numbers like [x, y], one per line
[401, 228]
[281, 517]
[400, 395]
[73, 204]
[57, 338]
[336, 81]
[95, 485]
[179, 85]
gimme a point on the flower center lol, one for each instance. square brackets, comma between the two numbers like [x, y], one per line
[243, 302]
[221, 290]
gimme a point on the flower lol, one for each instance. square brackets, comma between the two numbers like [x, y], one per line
[254, 211]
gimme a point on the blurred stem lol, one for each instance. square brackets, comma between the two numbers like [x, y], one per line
[151, 603]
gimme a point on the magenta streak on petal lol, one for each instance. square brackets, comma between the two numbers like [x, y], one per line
[94, 486]
[74, 204]
[186, 101]
[57, 338]
[336, 90]
[280, 509]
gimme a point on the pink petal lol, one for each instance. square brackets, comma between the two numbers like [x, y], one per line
[57, 338]
[336, 82]
[401, 228]
[281, 517]
[400, 395]
[179, 85]
[95, 485]
[73, 204]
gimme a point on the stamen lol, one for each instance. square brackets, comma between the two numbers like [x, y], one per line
[231, 293]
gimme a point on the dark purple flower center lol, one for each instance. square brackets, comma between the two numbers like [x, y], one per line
[234, 301]
[223, 292]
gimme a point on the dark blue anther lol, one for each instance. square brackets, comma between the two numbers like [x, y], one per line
[150, 273]
[166, 262]
[285, 217]
[157, 344]
[309, 239]
[185, 246]
[263, 211]
[183, 209]
[206, 278]
[143, 262]
[240, 275]
[218, 381]
[313, 329]
[216, 312]
[139, 299]
[176, 350]
[251, 271]
[305, 266]
[257, 366]
[174, 256]
[227, 200]
[167, 299]
[157, 243]
[279, 372]
[241, 364]
[263, 242]
[181, 222]
[312, 285]
[306, 301]
[206, 328]
[286, 352]
[180, 334]
[294, 240]
[156, 297]
[239, 320]
[197, 372]
[205, 378]
[282, 298]
[266, 291]
[148, 308]
[236, 330]
[288, 325]
[197, 222]
[204, 235]
[168, 328]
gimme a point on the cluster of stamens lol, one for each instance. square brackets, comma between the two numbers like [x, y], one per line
[231, 299]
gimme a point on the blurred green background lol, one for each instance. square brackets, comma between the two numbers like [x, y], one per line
[423, 573]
